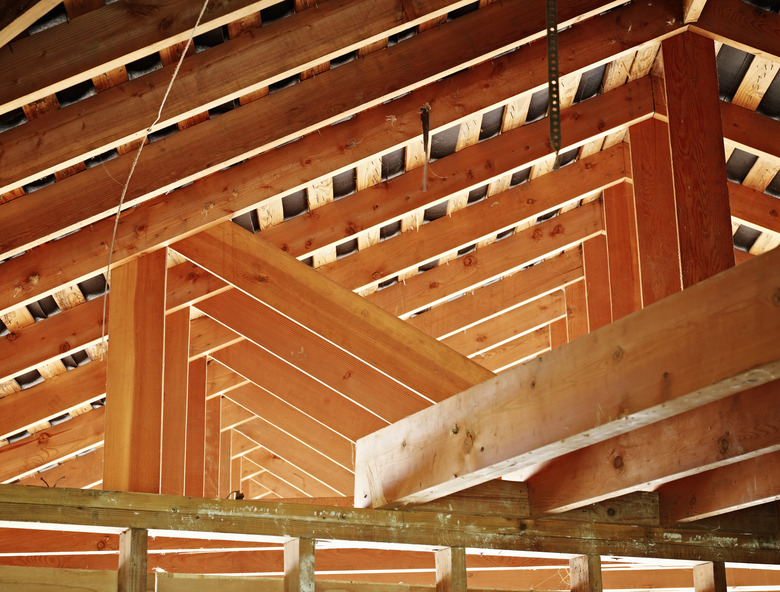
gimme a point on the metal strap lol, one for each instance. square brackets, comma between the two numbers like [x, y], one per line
[554, 95]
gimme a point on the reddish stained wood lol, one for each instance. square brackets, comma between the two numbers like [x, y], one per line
[134, 386]
[741, 25]
[620, 220]
[656, 213]
[212, 447]
[559, 333]
[754, 207]
[196, 429]
[750, 131]
[597, 276]
[510, 353]
[576, 310]
[699, 169]
[77, 472]
[709, 577]
[174, 430]
[225, 453]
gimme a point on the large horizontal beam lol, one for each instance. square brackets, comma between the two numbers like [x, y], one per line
[83, 254]
[741, 25]
[101, 40]
[114, 511]
[643, 368]
[280, 117]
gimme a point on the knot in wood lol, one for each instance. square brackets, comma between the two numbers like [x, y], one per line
[618, 462]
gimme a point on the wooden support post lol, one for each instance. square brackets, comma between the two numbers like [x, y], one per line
[620, 219]
[696, 139]
[196, 429]
[709, 577]
[212, 444]
[451, 569]
[299, 565]
[134, 388]
[596, 263]
[174, 435]
[585, 573]
[133, 545]
[656, 212]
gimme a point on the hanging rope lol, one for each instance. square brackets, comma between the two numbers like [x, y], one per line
[132, 170]
[554, 94]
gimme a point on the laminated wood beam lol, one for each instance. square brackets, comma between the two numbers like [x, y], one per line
[492, 261]
[484, 219]
[296, 422]
[655, 207]
[299, 565]
[20, 14]
[83, 254]
[315, 356]
[698, 166]
[293, 289]
[726, 431]
[743, 26]
[281, 117]
[174, 410]
[633, 381]
[253, 519]
[134, 386]
[194, 467]
[472, 168]
[517, 289]
[52, 397]
[709, 577]
[101, 40]
[255, 60]
[744, 484]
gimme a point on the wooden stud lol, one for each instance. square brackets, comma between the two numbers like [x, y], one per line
[585, 573]
[299, 565]
[576, 310]
[174, 428]
[133, 545]
[212, 443]
[656, 212]
[709, 577]
[194, 478]
[597, 281]
[451, 573]
[134, 386]
[702, 199]
[620, 221]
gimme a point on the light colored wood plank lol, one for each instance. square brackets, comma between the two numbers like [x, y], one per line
[30, 579]
[692, 369]
[451, 573]
[703, 216]
[758, 78]
[296, 290]
[692, 10]
[212, 447]
[585, 573]
[134, 386]
[304, 483]
[20, 14]
[511, 353]
[76, 472]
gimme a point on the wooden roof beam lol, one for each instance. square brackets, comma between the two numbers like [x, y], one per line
[110, 511]
[741, 25]
[643, 383]
[205, 203]
[281, 117]
[278, 466]
[255, 60]
[101, 40]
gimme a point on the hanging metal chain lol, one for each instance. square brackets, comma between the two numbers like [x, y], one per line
[554, 94]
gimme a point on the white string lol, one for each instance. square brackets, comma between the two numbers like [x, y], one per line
[132, 170]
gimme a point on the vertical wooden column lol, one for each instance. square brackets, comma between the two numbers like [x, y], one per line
[225, 462]
[196, 429]
[451, 573]
[212, 444]
[133, 545]
[699, 169]
[585, 573]
[625, 288]
[134, 389]
[174, 430]
[576, 310]
[656, 210]
[709, 577]
[596, 264]
[299, 565]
